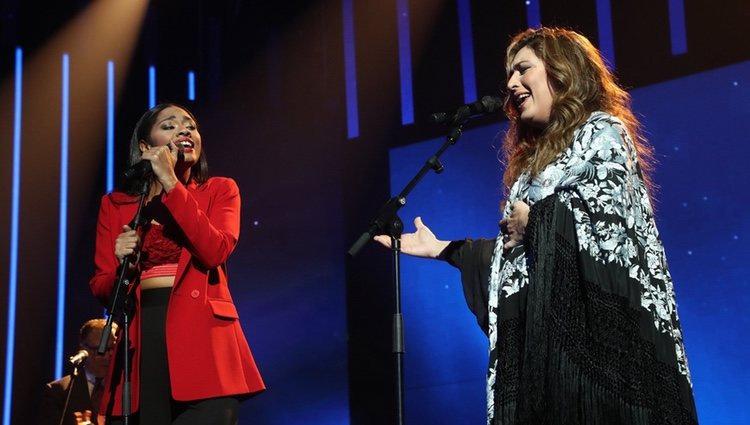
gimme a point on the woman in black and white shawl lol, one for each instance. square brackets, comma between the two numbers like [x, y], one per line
[574, 294]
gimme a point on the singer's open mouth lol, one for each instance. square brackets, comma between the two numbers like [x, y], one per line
[185, 144]
[520, 98]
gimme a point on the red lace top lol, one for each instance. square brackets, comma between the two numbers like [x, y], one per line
[159, 253]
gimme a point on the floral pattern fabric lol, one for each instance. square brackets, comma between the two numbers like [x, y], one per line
[614, 223]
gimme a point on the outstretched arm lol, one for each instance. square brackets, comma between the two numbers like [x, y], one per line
[422, 243]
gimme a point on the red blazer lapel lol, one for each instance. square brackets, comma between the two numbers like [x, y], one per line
[203, 200]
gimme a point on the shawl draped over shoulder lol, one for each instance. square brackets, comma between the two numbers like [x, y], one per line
[581, 318]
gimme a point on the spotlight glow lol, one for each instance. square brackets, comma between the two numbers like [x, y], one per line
[110, 126]
[63, 222]
[350, 70]
[13, 266]
[404, 55]
[151, 86]
[467, 51]
[677, 30]
[606, 39]
[533, 14]
[191, 86]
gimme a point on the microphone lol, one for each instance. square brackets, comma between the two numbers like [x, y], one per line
[484, 106]
[79, 358]
[140, 169]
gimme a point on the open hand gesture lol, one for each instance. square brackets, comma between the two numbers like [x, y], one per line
[421, 243]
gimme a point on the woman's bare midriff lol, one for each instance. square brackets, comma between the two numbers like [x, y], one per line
[157, 282]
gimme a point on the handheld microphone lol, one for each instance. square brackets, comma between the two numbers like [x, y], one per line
[79, 358]
[141, 168]
[486, 105]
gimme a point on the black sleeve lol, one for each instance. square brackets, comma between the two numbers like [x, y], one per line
[51, 404]
[473, 258]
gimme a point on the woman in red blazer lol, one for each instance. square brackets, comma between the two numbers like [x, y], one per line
[190, 359]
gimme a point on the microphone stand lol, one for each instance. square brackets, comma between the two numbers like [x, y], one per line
[387, 222]
[73, 379]
[120, 307]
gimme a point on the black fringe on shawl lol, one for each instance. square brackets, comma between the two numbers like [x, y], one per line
[579, 354]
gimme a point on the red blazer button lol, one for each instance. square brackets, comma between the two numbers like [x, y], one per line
[195, 293]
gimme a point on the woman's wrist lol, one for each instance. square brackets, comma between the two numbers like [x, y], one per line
[439, 248]
[169, 184]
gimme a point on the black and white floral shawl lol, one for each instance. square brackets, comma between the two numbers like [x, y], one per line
[581, 319]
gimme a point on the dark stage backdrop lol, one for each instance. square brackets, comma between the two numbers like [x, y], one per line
[302, 102]
[269, 108]
[701, 213]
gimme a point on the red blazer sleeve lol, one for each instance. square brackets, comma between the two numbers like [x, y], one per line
[105, 261]
[212, 234]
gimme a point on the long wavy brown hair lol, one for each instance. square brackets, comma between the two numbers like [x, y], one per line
[581, 84]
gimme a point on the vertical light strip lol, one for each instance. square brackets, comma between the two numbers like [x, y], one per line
[467, 51]
[677, 31]
[404, 57]
[110, 126]
[533, 14]
[606, 40]
[151, 86]
[63, 223]
[13, 266]
[350, 70]
[191, 86]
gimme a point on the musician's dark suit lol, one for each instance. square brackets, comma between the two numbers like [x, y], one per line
[53, 400]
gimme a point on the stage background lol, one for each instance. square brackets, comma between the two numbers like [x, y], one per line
[318, 109]
[701, 224]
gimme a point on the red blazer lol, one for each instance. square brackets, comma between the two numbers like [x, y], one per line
[207, 350]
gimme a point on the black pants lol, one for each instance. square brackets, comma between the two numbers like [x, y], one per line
[156, 404]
